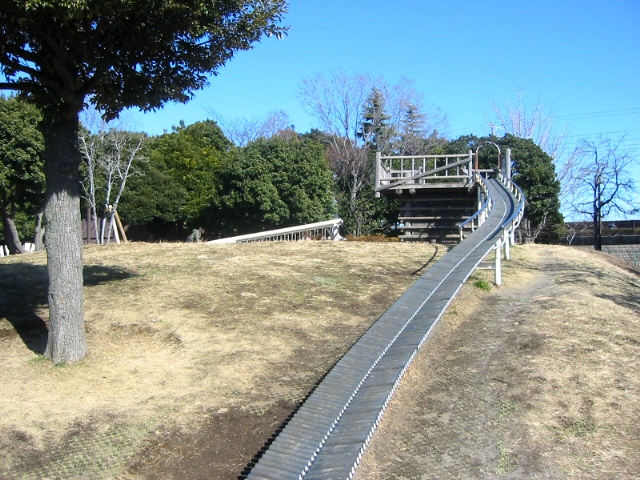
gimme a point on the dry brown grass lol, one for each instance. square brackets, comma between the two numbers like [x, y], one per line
[537, 379]
[586, 410]
[177, 331]
[185, 335]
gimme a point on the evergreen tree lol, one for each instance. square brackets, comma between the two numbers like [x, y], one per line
[414, 137]
[273, 183]
[377, 133]
[178, 181]
[533, 170]
[21, 171]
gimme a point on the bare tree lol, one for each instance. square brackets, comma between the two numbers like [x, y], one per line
[538, 124]
[242, 131]
[535, 123]
[574, 229]
[109, 152]
[353, 110]
[601, 183]
[338, 104]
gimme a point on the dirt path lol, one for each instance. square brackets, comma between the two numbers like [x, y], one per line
[487, 398]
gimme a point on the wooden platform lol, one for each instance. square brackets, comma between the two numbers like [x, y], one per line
[435, 214]
[435, 193]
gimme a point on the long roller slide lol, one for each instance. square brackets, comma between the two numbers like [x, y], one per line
[327, 436]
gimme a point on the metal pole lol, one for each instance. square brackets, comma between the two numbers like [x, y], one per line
[498, 278]
[378, 167]
[505, 241]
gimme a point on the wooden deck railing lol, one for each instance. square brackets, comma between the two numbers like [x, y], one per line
[422, 171]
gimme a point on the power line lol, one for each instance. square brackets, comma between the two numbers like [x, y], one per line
[573, 116]
[469, 129]
[602, 133]
[603, 113]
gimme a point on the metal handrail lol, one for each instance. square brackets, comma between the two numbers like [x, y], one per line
[519, 195]
[482, 211]
[507, 239]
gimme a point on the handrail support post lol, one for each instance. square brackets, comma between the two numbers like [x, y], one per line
[498, 269]
[378, 167]
[505, 241]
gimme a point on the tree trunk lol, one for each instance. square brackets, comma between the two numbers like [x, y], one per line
[63, 240]
[597, 233]
[38, 235]
[11, 235]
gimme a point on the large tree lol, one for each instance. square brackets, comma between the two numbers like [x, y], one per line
[21, 169]
[178, 180]
[377, 131]
[114, 54]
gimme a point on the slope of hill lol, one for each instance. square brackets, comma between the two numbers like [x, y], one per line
[200, 352]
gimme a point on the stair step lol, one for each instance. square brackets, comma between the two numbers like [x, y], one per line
[454, 218]
[437, 209]
[434, 214]
[412, 224]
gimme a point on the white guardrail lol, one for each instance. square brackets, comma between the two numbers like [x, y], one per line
[328, 230]
[484, 208]
[508, 238]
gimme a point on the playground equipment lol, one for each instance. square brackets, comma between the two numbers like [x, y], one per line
[328, 230]
[329, 433]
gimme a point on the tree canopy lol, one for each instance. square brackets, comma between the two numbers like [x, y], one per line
[533, 170]
[113, 54]
[178, 181]
[273, 183]
[125, 53]
[21, 170]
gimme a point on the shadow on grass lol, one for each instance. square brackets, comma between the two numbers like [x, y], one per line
[23, 291]
[420, 271]
[626, 288]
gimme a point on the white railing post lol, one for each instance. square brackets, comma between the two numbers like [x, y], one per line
[378, 168]
[498, 272]
[505, 241]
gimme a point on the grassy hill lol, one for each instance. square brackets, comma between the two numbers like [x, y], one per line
[199, 352]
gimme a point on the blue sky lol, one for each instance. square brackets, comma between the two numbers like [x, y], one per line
[581, 60]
